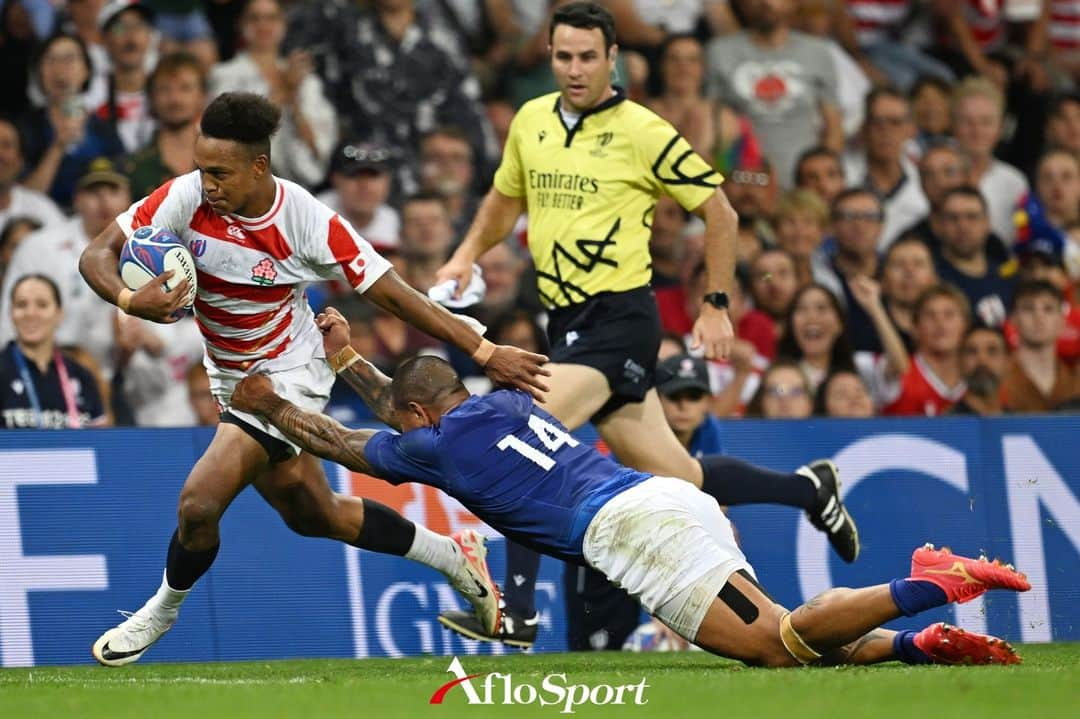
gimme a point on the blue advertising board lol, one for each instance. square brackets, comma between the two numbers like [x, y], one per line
[85, 520]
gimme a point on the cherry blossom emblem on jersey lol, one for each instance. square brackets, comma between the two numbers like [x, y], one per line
[264, 272]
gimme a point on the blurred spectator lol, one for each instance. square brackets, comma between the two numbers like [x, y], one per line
[184, 28]
[963, 259]
[682, 382]
[1057, 185]
[394, 72]
[941, 168]
[127, 30]
[503, 268]
[61, 138]
[154, 360]
[667, 248]
[751, 189]
[972, 34]
[872, 31]
[361, 175]
[984, 359]
[933, 381]
[446, 169]
[519, 328]
[783, 80]
[13, 233]
[784, 393]
[81, 18]
[426, 236]
[712, 128]
[931, 108]
[1063, 123]
[1041, 258]
[820, 170]
[907, 270]
[815, 335]
[177, 91]
[884, 167]
[201, 399]
[1037, 380]
[39, 386]
[843, 394]
[309, 129]
[17, 44]
[802, 219]
[100, 195]
[773, 284]
[16, 200]
[978, 108]
[671, 344]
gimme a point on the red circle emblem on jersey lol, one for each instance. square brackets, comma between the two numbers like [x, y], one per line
[770, 88]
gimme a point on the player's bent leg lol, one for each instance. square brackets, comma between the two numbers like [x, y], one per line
[229, 464]
[577, 392]
[640, 436]
[741, 623]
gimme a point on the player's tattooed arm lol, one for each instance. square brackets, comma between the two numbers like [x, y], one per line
[322, 436]
[374, 388]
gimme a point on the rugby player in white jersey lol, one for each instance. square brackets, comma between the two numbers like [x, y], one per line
[256, 240]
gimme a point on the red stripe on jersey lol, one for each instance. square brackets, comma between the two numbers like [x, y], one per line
[233, 321]
[252, 293]
[243, 365]
[346, 251]
[245, 346]
[268, 239]
[144, 215]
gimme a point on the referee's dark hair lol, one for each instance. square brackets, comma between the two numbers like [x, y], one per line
[242, 117]
[585, 16]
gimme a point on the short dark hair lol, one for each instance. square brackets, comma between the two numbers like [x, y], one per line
[941, 85]
[42, 278]
[812, 153]
[172, 64]
[424, 196]
[585, 16]
[996, 331]
[15, 223]
[907, 238]
[882, 91]
[1034, 288]
[242, 117]
[6, 119]
[848, 192]
[966, 191]
[425, 380]
[83, 52]
[452, 131]
[1057, 105]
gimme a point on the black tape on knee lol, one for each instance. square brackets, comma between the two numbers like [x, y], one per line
[739, 603]
[750, 578]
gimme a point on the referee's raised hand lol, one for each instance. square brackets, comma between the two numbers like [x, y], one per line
[713, 332]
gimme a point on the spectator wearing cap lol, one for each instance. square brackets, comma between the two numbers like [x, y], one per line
[100, 195]
[1037, 379]
[61, 138]
[184, 27]
[361, 176]
[984, 359]
[446, 169]
[127, 29]
[177, 90]
[16, 200]
[301, 148]
[1041, 258]
[682, 382]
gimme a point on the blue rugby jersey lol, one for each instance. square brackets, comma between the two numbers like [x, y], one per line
[513, 465]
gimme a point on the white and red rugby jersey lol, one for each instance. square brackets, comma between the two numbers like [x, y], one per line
[250, 304]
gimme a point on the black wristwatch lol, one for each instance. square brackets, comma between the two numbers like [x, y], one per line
[719, 300]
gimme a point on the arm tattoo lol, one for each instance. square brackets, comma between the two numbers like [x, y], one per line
[322, 436]
[374, 388]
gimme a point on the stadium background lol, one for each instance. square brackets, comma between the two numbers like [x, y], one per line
[82, 516]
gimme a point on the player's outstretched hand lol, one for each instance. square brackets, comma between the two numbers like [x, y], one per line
[713, 332]
[152, 302]
[335, 330]
[514, 367]
[457, 270]
[254, 394]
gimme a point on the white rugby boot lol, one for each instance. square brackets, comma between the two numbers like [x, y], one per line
[474, 580]
[129, 640]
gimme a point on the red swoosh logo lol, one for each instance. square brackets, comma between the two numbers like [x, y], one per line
[440, 693]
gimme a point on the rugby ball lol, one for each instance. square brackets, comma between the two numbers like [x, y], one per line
[150, 251]
[649, 638]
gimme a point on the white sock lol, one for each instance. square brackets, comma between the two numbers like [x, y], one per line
[435, 550]
[168, 599]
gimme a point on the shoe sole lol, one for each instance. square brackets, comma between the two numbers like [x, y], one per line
[477, 558]
[98, 648]
[972, 648]
[470, 634]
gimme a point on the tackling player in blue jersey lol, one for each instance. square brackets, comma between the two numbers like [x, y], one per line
[669, 545]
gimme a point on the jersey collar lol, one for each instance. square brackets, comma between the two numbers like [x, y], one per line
[618, 97]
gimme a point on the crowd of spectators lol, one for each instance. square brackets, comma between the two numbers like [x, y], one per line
[906, 173]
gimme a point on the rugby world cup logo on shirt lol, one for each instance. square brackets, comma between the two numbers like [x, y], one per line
[264, 272]
[602, 140]
[554, 690]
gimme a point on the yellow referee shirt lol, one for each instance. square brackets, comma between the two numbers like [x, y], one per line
[590, 191]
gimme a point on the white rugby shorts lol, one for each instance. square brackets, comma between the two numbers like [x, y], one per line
[668, 544]
[307, 386]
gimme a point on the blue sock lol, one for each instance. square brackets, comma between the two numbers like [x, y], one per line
[903, 645]
[914, 595]
[519, 591]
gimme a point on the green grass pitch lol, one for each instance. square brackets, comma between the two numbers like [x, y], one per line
[1046, 686]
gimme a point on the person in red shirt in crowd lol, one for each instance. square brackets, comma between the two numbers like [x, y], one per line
[933, 381]
[667, 247]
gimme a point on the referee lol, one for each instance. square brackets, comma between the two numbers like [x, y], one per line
[588, 166]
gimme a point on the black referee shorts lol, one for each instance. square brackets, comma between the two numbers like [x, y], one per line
[617, 333]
